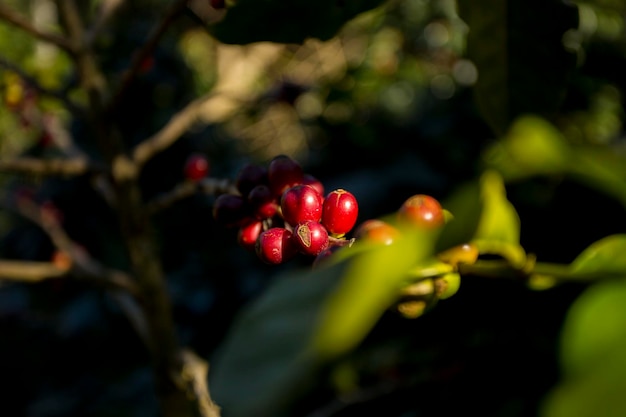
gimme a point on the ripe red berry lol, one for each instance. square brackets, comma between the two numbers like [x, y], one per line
[325, 254]
[283, 172]
[248, 234]
[230, 210]
[262, 203]
[374, 230]
[309, 179]
[196, 167]
[274, 246]
[301, 203]
[310, 237]
[423, 211]
[340, 211]
[249, 176]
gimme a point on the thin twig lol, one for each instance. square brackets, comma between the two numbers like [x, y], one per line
[172, 131]
[34, 84]
[68, 167]
[194, 375]
[147, 48]
[91, 79]
[11, 16]
[135, 314]
[29, 271]
[106, 10]
[210, 186]
[83, 265]
[559, 273]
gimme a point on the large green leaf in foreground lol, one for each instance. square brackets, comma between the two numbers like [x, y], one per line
[306, 319]
[593, 342]
[593, 352]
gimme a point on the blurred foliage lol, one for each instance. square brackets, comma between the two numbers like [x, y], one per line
[512, 114]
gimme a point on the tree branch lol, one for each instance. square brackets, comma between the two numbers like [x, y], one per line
[106, 10]
[29, 271]
[194, 376]
[83, 265]
[211, 186]
[34, 84]
[559, 273]
[172, 131]
[50, 167]
[11, 16]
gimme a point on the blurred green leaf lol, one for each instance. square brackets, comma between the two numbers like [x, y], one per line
[306, 319]
[593, 356]
[601, 168]
[498, 230]
[368, 288]
[483, 215]
[251, 21]
[603, 257]
[532, 146]
[499, 220]
[466, 207]
[515, 78]
[265, 360]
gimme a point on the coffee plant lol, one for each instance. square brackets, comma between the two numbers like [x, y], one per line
[241, 208]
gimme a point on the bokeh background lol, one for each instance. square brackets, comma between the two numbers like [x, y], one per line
[383, 104]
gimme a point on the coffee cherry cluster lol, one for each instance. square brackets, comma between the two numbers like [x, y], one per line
[421, 211]
[281, 211]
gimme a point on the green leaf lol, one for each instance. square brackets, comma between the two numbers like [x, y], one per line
[466, 207]
[601, 168]
[593, 356]
[593, 339]
[369, 287]
[499, 220]
[265, 361]
[306, 319]
[603, 257]
[280, 21]
[531, 146]
[515, 78]
[498, 230]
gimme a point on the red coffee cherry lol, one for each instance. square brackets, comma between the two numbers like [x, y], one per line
[301, 203]
[274, 246]
[310, 237]
[262, 203]
[196, 167]
[231, 210]
[249, 176]
[423, 211]
[340, 211]
[283, 172]
[325, 254]
[248, 234]
[374, 230]
[309, 179]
